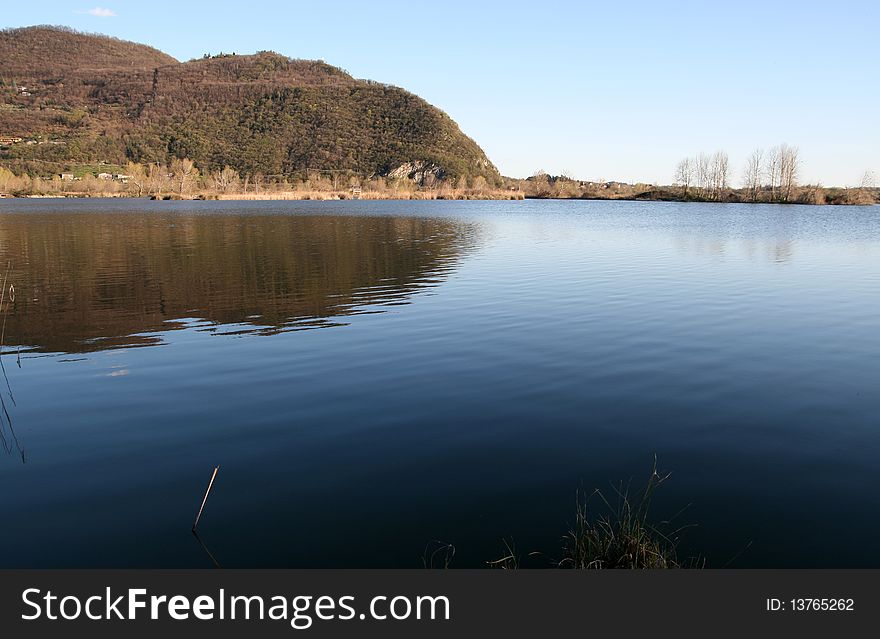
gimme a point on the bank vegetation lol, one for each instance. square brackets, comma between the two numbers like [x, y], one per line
[182, 180]
[770, 176]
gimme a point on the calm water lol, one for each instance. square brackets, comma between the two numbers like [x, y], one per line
[372, 376]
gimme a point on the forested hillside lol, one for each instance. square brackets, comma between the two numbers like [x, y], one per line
[69, 98]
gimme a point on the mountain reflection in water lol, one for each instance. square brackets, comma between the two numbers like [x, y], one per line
[96, 281]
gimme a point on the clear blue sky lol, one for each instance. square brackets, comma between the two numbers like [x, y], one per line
[607, 90]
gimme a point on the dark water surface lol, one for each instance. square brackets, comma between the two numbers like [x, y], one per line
[372, 376]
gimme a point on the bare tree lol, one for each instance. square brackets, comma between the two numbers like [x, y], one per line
[137, 177]
[774, 177]
[184, 173]
[703, 174]
[789, 170]
[157, 179]
[540, 180]
[718, 175]
[7, 177]
[864, 193]
[226, 179]
[753, 174]
[684, 175]
[783, 171]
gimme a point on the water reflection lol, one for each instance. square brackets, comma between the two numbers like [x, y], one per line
[779, 250]
[92, 282]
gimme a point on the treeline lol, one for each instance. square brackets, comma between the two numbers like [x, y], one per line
[542, 185]
[182, 179]
[768, 176]
[707, 177]
[771, 176]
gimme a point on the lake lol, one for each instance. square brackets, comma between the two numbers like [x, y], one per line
[375, 376]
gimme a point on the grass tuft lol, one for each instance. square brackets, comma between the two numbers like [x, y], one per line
[438, 554]
[623, 536]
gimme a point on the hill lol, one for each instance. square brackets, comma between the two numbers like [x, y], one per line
[76, 98]
[44, 52]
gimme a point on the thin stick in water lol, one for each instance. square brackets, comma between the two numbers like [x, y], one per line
[205, 498]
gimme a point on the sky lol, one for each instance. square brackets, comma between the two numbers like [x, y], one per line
[599, 90]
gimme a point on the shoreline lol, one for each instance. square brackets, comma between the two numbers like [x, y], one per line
[376, 196]
[277, 196]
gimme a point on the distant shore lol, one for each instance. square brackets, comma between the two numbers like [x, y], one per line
[836, 197]
[283, 195]
[183, 180]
